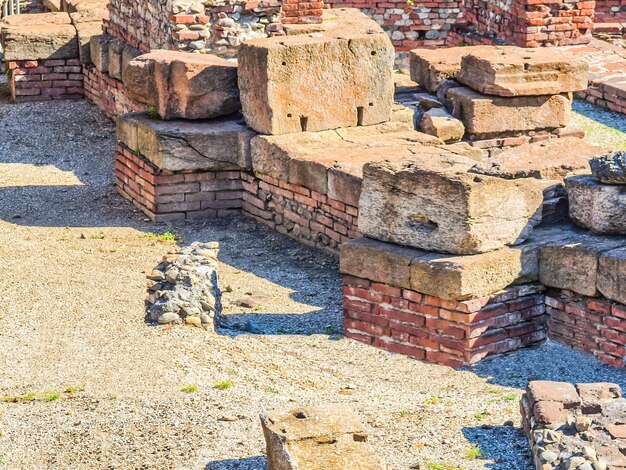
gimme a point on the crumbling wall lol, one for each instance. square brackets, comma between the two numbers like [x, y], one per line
[143, 24]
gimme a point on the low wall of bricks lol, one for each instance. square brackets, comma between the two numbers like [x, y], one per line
[610, 11]
[592, 325]
[107, 93]
[312, 218]
[45, 80]
[442, 331]
[609, 94]
[166, 196]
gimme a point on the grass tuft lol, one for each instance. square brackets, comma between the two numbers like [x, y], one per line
[223, 384]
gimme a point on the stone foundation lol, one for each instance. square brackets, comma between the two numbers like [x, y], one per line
[454, 333]
[107, 93]
[45, 80]
[166, 196]
[593, 325]
[312, 218]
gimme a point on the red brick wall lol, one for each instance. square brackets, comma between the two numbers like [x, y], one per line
[302, 12]
[107, 93]
[610, 11]
[608, 94]
[45, 80]
[312, 218]
[441, 331]
[592, 325]
[164, 196]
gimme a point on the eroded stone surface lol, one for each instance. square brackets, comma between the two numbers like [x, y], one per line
[440, 123]
[573, 427]
[430, 67]
[99, 52]
[184, 287]
[610, 168]
[219, 144]
[85, 31]
[183, 85]
[338, 77]
[596, 206]
[612, 275]
[422, 204]
[553, 160]
[487, 116]
[28, 39]
[325, 437]
[516, 71]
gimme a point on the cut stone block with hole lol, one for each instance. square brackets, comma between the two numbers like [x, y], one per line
[610, 168]
[338, 77]
[487, 116]
[218, 145]
[612, 275]
[440, 123]
[182, 85]
[553, 160]
[596, 206]
[430, 67]
[516, 71]
[32, 41]
[573, 264]
[324, 437]
[412, 203]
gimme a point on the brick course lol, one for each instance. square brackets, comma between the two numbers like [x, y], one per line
[107, 93]
[45, 80]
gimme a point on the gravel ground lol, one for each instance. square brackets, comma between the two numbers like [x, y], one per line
[602, 126]
[89, 385]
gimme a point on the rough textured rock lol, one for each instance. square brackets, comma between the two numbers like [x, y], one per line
[552, 159]
[183, 85]
[339, 77]
[572, 264]
[596, 206]
[440, 123]
[612, 275]
[184, 287]
[413, 203]
[85, 31]
[610, 168]
[115, 51]
[219, 144]
[516, 71]
[430, 67]
[39, 18]
[325, 437]
[99, 52]
[485, 116]
[24, 40]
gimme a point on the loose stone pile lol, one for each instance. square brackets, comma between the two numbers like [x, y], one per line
[500, 92]
[575, 427]
[598, 202]
[184, 287]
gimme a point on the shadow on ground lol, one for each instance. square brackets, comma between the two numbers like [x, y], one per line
[250, 463]
[489, 440]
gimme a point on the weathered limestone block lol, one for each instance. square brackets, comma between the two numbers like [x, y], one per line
[39, 36]
[596, 206]
[573, 264]
[85, 31]
[610, 168]
[485, 116]
[440, 123]
[116, 49]
[99, 51]
[445, 210]
[339, 77]
[430, 67]
[325, 437]
[219, 145]
[612, 275]
[183, 85]
[516, 71]
[185, 288]
[552, 159]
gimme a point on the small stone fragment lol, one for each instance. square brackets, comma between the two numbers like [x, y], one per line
[610, 168]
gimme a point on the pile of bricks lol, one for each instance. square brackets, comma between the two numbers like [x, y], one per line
[44, 80]
[592, 325]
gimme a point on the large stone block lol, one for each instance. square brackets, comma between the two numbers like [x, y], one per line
[217, 145]
[183, 85]
[487, 116]
[413, 203]
[596, 206]
[39, 41]
[516, 71]
[38, 18]
[430, 67]
[338, 77]
[325, 437]
[115, 50]
[612, 275]
[552, 159]
[85, 31]
[573, 264]
[610, 168]
[99, 52]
